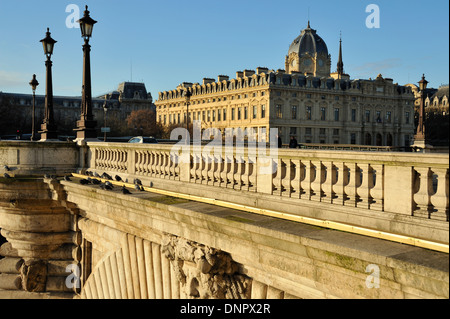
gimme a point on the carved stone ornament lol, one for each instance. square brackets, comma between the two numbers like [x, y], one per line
[34, 275]
[204, 272]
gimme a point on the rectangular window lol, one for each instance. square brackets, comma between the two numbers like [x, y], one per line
[322, 131]
[239, 113]
[279, 111]
[323, 114]
[224, 114]
[294, 112]
[336, 132]
[263, 111]
[214, 115]
[367, 116]
[388, 117]
[308, 112]
[336, 114]
[232, 114]
[353, 115]
[209, 116]
[219, 115]
[308, 131]
[378, 116]
[407, 119]
[293, 131]
[245, 113]
[353, 138]
[255, 111]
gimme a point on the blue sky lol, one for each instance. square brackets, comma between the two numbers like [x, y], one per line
[164, 43]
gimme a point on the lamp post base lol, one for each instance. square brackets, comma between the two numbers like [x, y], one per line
[422, 145]
[86, 129]
[49, 132]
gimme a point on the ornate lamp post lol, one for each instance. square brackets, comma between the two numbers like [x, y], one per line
[34, 83]
[86, 126]
[48, 127]
[420, 139]
[105, 109]
[188, 102]
[421, 127]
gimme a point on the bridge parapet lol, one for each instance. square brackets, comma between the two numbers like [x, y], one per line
[400, 193]
[86, 227]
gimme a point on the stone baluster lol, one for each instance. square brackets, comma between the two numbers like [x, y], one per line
[310, 175]
[218, 171]
[204, 169]
[377, 191]
[342, 180]
[172, 166]
[286, 178]
[231, 172]
[366, 185]
[317, 184]
[277, 185]
[212, 166]
[353, 176]
[423, 178]
[330, 181]
[194, 167]
[226, 171]
[440, 199]
[151, 164]
[252, 173]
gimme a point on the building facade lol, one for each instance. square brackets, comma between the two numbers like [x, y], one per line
[305, 100]
[128, 97]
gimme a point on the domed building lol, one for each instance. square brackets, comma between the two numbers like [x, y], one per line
[308, 54]
[304, 100]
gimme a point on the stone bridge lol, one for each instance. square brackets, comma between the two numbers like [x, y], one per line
[222, 225]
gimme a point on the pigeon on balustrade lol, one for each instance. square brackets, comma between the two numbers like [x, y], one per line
[106, 176]
[6, 167]
[109, 184]
[84, 182]
[106, 187]
[6, 175]
[118, 178]
[67, 178]
[125, 191]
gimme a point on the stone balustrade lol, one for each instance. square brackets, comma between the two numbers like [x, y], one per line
[393, 186]
[135, 246]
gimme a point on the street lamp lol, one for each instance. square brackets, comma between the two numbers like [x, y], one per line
[188, 102]
[48, 126]
[34, 83]
[420, 135]
[105, 109]
[86, 126]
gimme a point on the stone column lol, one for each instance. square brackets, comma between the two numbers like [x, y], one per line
[41, 239]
